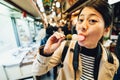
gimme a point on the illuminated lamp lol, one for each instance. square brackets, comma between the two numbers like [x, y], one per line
[58, 4]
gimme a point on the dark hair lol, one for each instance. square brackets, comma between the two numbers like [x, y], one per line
[102, 7]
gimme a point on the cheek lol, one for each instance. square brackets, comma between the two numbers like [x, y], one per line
[96, 33]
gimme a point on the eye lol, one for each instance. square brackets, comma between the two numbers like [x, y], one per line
[80, 21]
[92, 21]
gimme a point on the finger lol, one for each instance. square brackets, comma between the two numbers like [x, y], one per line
[58, 35]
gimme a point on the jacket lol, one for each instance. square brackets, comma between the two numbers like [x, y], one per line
[43, 64]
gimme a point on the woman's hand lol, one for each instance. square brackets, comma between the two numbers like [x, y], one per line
[53, 42]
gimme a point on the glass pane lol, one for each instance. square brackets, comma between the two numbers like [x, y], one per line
[7, 37]
[23, 32]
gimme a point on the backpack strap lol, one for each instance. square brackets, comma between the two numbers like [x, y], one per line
[76, 59]
[75, 56]
[65, 51]
[110, 57]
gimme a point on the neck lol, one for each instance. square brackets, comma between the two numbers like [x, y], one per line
[90, 51]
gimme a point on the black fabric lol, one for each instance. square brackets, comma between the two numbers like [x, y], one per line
[110, 57]
[97, 53]
[117, 48]
[42, 52]
[98, 58]
[89, 52]
[117, 51]
[117, 76]
[97, 62]
[65, 29]
[73, 31]
[76, 58]
[44, 40]
[65, 50]
[49, 30]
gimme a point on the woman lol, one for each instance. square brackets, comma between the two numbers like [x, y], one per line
[94, 63]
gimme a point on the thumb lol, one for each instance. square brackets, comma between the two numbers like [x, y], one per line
[56, 45]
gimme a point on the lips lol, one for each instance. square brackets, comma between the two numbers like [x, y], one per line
[81, 37]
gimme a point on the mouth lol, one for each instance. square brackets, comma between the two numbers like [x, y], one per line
[81, 37]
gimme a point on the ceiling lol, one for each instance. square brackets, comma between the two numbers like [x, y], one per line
[27, 6]
[30, 7]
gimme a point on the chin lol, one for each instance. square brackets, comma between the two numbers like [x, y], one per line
[89, 46]
[81, 44]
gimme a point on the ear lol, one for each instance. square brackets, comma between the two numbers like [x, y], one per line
[107, 32]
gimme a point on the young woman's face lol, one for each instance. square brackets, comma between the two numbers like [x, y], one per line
[90, 27]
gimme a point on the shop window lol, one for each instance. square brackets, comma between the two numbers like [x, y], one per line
[7, 37]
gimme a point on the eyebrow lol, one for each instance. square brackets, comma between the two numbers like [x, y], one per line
[90, 15]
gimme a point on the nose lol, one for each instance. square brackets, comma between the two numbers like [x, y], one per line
[83, 26]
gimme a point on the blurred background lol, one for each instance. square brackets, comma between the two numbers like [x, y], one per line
[27, 24]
